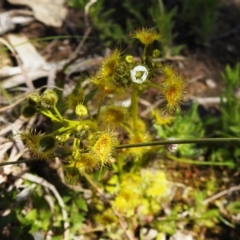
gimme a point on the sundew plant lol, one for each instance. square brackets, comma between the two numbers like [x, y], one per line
[90, 140]
[93, 129]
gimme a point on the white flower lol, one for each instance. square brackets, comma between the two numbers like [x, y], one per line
[139, 74]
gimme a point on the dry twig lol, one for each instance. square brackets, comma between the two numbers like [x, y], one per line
[222, 193]
[11, 48]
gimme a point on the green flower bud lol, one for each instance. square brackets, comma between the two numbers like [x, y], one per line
[129, 58]
[156, 53]
[34, 99]
[81, 110]
[62, 138]
[29, 111]
[49, 99]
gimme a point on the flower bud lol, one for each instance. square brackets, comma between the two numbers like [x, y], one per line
[34, 99]
[129, 58]
[62, 138]
[49, 99]
[29, 111]
[156, 53]
[81, 110]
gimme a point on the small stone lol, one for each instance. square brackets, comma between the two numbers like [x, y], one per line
[210, 83]
[149, 234]
[181, 236]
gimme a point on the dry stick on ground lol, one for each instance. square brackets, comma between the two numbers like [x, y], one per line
[80, 45]
[3, 109]
[123, 225]
[25, 96]
[167, 58]
[48, 185]
[28, 81]
[210, 199]
[86, 33]
[149, 107]
[222, 193]
[86, 11]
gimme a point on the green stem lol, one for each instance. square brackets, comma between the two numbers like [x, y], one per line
[89, 112]
[161, 7]
[67, 126]
[155, 86]
[49, 114]
[144, 54]
[58, 113]
[90, 181]
[165, 142]
[100, 106]
[181, 141]
[120, 163]
[134, 108]
[76, 143]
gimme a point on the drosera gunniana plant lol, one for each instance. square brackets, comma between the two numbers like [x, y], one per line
[90, 147]
[89, 141]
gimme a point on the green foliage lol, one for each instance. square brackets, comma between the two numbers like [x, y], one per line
[199, 17]
[230, 102]
[80, 4]
[107, 27]
[10, 226]
[231, 77]
[227, 123]
[117, 18]
[165, 21]
[195, 17]
[26, 222]
[184, 126]
[234, 207]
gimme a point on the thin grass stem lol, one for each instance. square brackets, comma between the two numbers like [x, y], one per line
[181, 141]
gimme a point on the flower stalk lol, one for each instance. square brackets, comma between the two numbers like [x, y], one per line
[134, 109]
[160, 143]
[181, 141]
